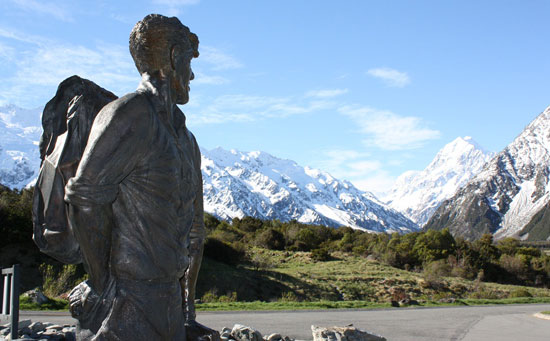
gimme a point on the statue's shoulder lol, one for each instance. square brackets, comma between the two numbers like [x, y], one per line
[131, 108]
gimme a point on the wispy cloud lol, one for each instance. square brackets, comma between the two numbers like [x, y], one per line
[201, 78]
[246, 108]
[176, 2]
[173, 7]
[389, 131]
[217, 60]
[327, 93]
[364, 172]
[41, 64]
[391, 77]
[54, 10]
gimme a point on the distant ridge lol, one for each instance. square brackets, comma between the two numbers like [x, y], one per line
[257, 184]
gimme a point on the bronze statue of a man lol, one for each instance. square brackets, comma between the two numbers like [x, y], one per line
[135, 203]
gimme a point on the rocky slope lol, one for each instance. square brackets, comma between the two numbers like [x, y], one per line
[417, 194]
[257, 184]
[508, 193]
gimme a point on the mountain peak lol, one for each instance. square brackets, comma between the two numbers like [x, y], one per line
[506, 194]
[417, 194]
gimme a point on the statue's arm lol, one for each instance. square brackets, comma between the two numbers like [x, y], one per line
[196, 245]
[115, 145]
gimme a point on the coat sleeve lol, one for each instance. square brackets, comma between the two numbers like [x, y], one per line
[118, 140]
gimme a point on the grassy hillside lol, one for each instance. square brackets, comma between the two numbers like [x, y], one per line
[291, 279]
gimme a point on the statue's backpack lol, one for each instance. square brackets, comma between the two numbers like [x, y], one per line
[67, 120]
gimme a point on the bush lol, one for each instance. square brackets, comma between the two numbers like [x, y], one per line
[515, 265]
[320, 255]
[211, 296]
[56, 282]
[289, 296]
[270, 239]
[261, 261]
[520, 292]
[220, 251]
[438, 268]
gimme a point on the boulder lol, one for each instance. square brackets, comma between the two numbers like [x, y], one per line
[244, 333]
[36, 296]
[273, 337]
[348, 333]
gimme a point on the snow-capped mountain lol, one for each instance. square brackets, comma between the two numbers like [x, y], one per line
[20, 131]
[417, 194]
[235, 184]
[510, 190]
[238, 184]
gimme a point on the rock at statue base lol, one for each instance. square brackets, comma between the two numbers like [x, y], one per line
[196, 331]
[244, 333]
[348, 333]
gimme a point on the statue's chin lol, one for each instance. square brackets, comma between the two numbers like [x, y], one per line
[182, 101]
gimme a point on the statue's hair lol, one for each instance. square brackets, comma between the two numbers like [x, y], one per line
[152, 39]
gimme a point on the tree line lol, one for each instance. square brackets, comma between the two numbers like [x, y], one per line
[435, 252]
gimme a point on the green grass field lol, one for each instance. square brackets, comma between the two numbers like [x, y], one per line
[284, 280]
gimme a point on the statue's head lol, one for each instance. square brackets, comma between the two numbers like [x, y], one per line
[163, 45]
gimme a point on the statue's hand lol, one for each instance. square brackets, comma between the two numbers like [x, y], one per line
[189, 312]
[81, 299]
[76, 301]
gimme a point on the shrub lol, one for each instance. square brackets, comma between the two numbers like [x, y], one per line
[438, 268]
[224, 252]
[320, 255]
[56, 282]
[261, 261]
[520, 292]
[289, 296]
[515, 265]
[270, 239]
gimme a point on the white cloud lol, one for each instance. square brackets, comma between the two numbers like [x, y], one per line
[217, 59]
[359, 168]
[201, 78]
[39, 65]
[391, 77]
[173, 6]
[246, 108]
[378, 183]
[48, 8]
[6, 52]
[176, 2]
[388, 130]
[326, 93]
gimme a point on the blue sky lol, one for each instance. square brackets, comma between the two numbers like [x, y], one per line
[362, 89]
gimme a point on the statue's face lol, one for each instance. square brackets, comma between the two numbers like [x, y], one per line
[183, 75]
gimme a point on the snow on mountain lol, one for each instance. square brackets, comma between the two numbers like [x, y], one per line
[20, 131]
[235, 184]
[508, 192]
[417, 194]
[238, 184]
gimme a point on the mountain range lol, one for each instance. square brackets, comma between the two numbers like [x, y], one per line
[257, 184]
[236, 184]
[509, 197]
[464, 188]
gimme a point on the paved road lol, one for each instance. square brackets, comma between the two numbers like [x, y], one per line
[505, 322]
